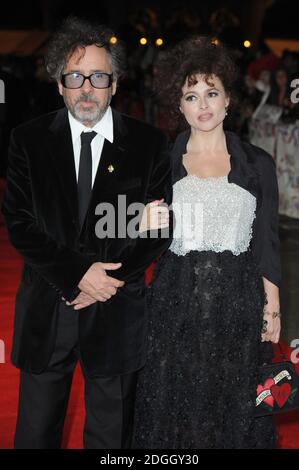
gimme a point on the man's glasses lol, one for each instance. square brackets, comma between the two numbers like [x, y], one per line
[97, 79]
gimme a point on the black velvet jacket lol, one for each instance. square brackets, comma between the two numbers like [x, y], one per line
[40, 208]
[254, 170]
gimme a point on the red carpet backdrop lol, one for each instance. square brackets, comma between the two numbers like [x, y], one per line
[288, 424]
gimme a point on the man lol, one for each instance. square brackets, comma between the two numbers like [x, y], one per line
[81, 295]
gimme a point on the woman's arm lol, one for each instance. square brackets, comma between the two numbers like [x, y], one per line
[266, 243]
[271, 312]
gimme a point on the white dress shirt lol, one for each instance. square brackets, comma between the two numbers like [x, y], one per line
[104, 130]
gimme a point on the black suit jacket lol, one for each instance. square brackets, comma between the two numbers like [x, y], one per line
[41, 212]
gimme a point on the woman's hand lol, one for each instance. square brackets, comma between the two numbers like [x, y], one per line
[155, 216]
[272, 326]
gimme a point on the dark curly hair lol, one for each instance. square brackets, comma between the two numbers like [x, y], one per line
[78, 33]
[188, 58]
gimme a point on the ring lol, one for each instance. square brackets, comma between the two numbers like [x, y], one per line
[273, 314]
[264, 328]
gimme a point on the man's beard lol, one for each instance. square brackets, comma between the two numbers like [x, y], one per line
[87, 116]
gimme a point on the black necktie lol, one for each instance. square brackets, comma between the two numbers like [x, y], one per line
[85, 174]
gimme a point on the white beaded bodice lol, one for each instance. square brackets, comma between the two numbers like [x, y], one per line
[211, 214]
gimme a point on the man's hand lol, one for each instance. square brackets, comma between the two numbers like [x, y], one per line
[83, 300]
[97, 284]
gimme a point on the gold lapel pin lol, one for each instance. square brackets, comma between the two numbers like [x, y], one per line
[110, 168]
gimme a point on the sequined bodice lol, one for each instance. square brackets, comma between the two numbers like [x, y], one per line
[211, 214]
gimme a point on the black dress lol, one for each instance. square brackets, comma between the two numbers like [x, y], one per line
[205, 308]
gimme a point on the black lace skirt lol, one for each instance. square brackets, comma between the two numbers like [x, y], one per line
[198, 387]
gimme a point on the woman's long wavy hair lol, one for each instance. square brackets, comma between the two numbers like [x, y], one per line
[185, 60]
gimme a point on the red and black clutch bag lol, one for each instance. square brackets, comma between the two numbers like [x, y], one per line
[278, 388]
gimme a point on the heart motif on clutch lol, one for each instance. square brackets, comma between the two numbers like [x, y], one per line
[281, 393]
[267, 385]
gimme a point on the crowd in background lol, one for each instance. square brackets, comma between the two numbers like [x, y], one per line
[265, 79]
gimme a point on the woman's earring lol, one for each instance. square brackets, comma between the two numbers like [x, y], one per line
[226, 110]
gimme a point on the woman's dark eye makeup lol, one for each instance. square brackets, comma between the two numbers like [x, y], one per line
[211, 93]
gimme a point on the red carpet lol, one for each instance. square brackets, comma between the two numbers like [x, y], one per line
[288, 424]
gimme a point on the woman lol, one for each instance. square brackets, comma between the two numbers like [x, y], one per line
[217, 285]
[280, 97]
[279, 88]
